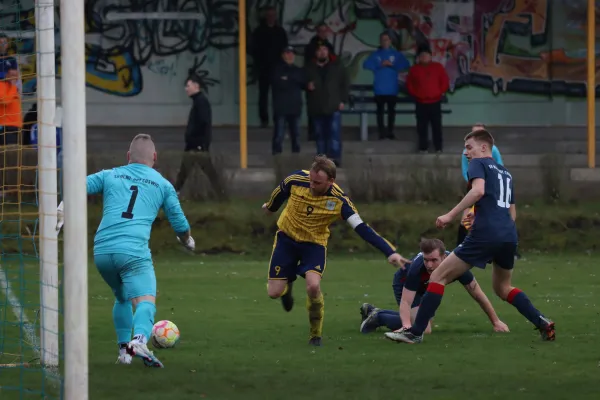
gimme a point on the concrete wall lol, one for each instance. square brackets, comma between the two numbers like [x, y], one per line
[510, 62]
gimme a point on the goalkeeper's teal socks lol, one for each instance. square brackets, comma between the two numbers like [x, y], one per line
[123, 320]
[143, 320]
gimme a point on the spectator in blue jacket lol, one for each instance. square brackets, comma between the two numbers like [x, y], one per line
[385, 63]
[495, 153]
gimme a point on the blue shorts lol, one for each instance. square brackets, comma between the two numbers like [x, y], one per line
[478, 254]
[398, 286]
[128, 276]
[291, 258]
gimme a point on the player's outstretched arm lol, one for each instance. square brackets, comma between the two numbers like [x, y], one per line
[95, 182]
[282, 192]
[479, 296]
[95, 185]
[476, 175]
[368, 234]
[172, 208]
[408, 296]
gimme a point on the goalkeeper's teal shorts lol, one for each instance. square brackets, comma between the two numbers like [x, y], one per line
[128, 276]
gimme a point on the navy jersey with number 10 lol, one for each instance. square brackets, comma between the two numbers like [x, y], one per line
[132, 197]
[493, 222]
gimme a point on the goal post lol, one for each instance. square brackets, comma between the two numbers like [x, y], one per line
[47, 183]
[75, 282]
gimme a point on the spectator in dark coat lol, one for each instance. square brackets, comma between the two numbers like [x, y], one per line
[320, 38]
[309, 56]
[288, 83]
[268, 41]
[198, 137]
[328, 89]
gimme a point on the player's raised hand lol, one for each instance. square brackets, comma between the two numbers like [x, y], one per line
[398, 260]
[266, 210]
[60, 217]
[443, 220]
[500, 326]
[189, 244]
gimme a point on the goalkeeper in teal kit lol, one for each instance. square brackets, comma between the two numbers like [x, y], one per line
[133, 195]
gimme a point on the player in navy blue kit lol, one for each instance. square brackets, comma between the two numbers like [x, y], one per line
[493, 237]
[410, 284]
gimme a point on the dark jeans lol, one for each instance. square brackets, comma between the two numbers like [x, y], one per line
[429, 113]
[264, 84]
[311, 128]
[382, 102]
[190, 159]
[293, 124]
[327, 134]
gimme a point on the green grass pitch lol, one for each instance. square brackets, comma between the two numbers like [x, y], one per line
[238, 344]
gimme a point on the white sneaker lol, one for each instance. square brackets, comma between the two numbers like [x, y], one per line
[138, 349]
[124, 358]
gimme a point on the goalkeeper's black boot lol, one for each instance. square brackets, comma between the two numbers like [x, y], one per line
[287, 299]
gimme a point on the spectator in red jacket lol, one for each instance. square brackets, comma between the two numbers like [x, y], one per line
[427, 81]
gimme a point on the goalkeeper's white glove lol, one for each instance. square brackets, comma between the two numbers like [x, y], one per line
[189, 244]
[60, 217]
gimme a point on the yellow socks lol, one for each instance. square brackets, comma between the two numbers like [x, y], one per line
[316, 312]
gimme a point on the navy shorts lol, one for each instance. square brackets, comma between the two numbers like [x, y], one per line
[398, 286]
[291, 258]
[478, 254]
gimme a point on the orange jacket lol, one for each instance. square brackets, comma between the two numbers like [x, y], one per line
[10, 105]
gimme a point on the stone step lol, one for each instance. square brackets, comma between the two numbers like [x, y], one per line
[399, 147]
[259, 182]
[232, 134]
[397, 162]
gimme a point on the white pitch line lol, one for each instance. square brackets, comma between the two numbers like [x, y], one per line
[19, 312]
[28, 327]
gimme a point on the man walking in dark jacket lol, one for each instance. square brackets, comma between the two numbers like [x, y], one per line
[288, 82]
[268, 40]
[198, 136]
[328, 89]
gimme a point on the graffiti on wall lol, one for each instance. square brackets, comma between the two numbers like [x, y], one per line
[531, 46]
[124, 39]
[502, 45]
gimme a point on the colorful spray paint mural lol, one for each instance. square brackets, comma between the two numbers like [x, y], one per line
[139, 53]
[532, 46]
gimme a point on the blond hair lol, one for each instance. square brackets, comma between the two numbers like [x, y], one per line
[142, 149]
[322, 163]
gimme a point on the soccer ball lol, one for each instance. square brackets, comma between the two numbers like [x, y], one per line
[165, 334]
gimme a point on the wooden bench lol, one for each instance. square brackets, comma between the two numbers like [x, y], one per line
[362, 100]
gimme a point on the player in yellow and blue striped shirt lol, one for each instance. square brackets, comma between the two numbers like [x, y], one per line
[314, 202]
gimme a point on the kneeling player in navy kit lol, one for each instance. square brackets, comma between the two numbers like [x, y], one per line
[493, 237]
[410, 283]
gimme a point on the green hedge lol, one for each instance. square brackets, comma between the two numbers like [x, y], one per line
[244, 228]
